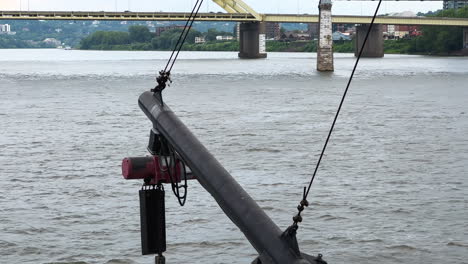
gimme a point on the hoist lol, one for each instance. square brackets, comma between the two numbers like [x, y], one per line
[178, 156]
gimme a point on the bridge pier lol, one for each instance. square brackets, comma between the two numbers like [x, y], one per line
[465, 38]
[374, 46]
[325, 43]
[252, 40]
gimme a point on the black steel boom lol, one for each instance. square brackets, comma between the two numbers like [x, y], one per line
[264, 235]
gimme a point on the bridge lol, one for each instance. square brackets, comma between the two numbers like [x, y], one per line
[234, 17]
[253, 28]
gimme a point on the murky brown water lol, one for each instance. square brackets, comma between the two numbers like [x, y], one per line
[393, 186]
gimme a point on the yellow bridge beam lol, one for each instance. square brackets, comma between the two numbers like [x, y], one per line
[386, 20]
[121, 16]
[162, 16]
[239, 7]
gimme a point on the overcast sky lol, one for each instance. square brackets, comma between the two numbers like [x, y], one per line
[261, 6]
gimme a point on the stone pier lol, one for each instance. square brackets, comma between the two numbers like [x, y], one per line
[252, 40]
[325, 43]
[374, 46]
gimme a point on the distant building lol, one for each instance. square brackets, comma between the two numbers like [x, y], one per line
[5, 29]
[312, 30]
[293, 36]
[340, 36]
[224, 37]
[339, 27]
[455, 4]
[151, 26]
[401, 31]
[390, 29]
[200, 40]
[273, 31]
[52, 42]
[160, 30]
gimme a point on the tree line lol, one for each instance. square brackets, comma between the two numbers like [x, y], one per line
[437, 40]
[140, 38]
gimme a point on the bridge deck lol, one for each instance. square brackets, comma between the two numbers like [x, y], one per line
[389, 20]
[122, 16]
[163, 16]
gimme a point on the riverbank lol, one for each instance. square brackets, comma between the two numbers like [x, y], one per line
[433, 40]
[402, 46]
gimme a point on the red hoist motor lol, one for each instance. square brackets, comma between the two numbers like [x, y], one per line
[164, 166]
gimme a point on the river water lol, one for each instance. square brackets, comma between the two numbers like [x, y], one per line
[392, 187]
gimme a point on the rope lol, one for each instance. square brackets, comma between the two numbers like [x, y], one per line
[304, 203]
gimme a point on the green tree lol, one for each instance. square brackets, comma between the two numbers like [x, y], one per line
[168, 39]
[282, 30]
[440, 39]
[234, 32]
[211, 34]
[104, 40]
[140, 34]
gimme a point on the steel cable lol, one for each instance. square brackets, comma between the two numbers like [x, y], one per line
[304, 203]
[183, 35]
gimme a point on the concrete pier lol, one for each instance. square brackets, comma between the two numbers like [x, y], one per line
[374, 46]
[325, 43]
[252, 40]
[465, 38]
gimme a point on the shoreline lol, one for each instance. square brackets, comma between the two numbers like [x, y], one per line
[460, 53]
